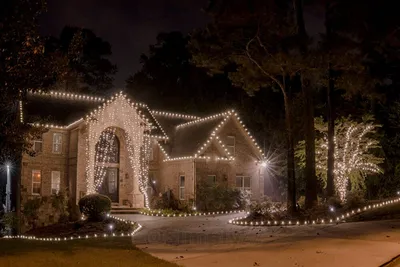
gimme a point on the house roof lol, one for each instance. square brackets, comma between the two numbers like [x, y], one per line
[187, 135]
[187, 139]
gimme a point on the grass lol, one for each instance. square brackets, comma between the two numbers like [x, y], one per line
[81, 228]
[118, 252]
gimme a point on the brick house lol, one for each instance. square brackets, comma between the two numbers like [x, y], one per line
[182, 149]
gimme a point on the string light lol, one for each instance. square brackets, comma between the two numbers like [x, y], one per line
[174, 115]
[21, 114]
[351, 155]
[120, 112]
[339, 218]
[68, 96]
[158, 213]
[70, 238]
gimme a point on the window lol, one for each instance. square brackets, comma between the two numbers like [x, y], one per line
[230, 145]
[211, 179]
[243, 182]
[38, 146]
[36, 182]
[57, 143]
[55, 182]
[182, 187]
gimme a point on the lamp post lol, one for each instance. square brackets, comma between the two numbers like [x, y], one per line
[8, 190]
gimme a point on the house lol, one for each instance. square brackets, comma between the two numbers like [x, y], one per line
[125, 149]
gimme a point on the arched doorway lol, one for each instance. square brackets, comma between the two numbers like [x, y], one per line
[108, 164]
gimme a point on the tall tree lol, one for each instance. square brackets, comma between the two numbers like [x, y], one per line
[24, 66]
[254, 42]
[89, 69]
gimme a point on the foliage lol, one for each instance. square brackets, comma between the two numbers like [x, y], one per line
[267, 209]
[59, 202]
[354, 199]
[167, 201]
[89, 68]
[24, 65]
[356, 147]
[95, 206]
[218, 197]
[30, 210]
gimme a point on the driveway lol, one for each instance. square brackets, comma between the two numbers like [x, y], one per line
[210, 241]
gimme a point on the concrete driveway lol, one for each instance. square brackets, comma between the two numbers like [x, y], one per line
[210, 241]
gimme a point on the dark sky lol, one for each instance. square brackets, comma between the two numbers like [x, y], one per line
[130, 26]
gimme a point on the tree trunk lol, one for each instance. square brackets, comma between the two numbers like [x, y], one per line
[309, 132]
[291, 187]
[330, 185]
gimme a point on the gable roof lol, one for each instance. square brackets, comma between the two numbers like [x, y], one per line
[187, 135]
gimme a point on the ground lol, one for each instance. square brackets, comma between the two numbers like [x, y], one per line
[210, 241]
[95, 252]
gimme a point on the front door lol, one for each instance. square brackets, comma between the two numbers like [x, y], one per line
[110, 184]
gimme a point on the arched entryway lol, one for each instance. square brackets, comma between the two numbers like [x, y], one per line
[119, 113]
[108, 164]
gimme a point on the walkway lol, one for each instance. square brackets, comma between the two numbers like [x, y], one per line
[210, 241]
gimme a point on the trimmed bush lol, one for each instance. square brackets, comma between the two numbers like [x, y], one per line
[95, 206]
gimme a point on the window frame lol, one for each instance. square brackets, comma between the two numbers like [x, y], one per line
[33, 182]
[52, 182]
[232, 147]
[242, 179]
[34, 145]
[182, 188]
[54, 143]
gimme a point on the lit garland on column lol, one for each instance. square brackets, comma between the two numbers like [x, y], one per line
[352, 155]
[120, 112]
[102, 155]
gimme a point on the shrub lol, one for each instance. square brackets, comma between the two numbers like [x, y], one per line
[267, 209]
[218, 197]
[166, 200]
[95, 206]
[59, 203]
[354, 200]
[31, 211]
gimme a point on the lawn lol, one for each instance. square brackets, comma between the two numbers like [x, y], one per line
[115, 252]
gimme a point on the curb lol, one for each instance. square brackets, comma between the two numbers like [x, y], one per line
[391, 262]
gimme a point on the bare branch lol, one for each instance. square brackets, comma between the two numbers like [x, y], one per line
[261, 68]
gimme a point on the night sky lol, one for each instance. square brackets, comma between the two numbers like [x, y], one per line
[130, 26]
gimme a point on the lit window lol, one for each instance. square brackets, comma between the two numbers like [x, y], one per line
[243, 182]
[211, 179]
[38, 146]
[230, 145]
[36, 182]
[57, 142]
[182, 187]
[55, 182]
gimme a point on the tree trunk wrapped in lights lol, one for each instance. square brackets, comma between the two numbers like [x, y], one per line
[354, 158]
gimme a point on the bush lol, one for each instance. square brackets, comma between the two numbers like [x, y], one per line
[354, 200]
[218, 197]
[59, 203]
[267, 209]
[95, 206]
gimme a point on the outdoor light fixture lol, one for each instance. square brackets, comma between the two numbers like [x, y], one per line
[398, 192]
[332, 209]
[265, 163]
[8, 189]
[111, 226]
[154, 181]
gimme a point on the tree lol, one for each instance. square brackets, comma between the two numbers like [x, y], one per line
[255, 42]
[356, 147]
[24, 66]
[89, 69]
